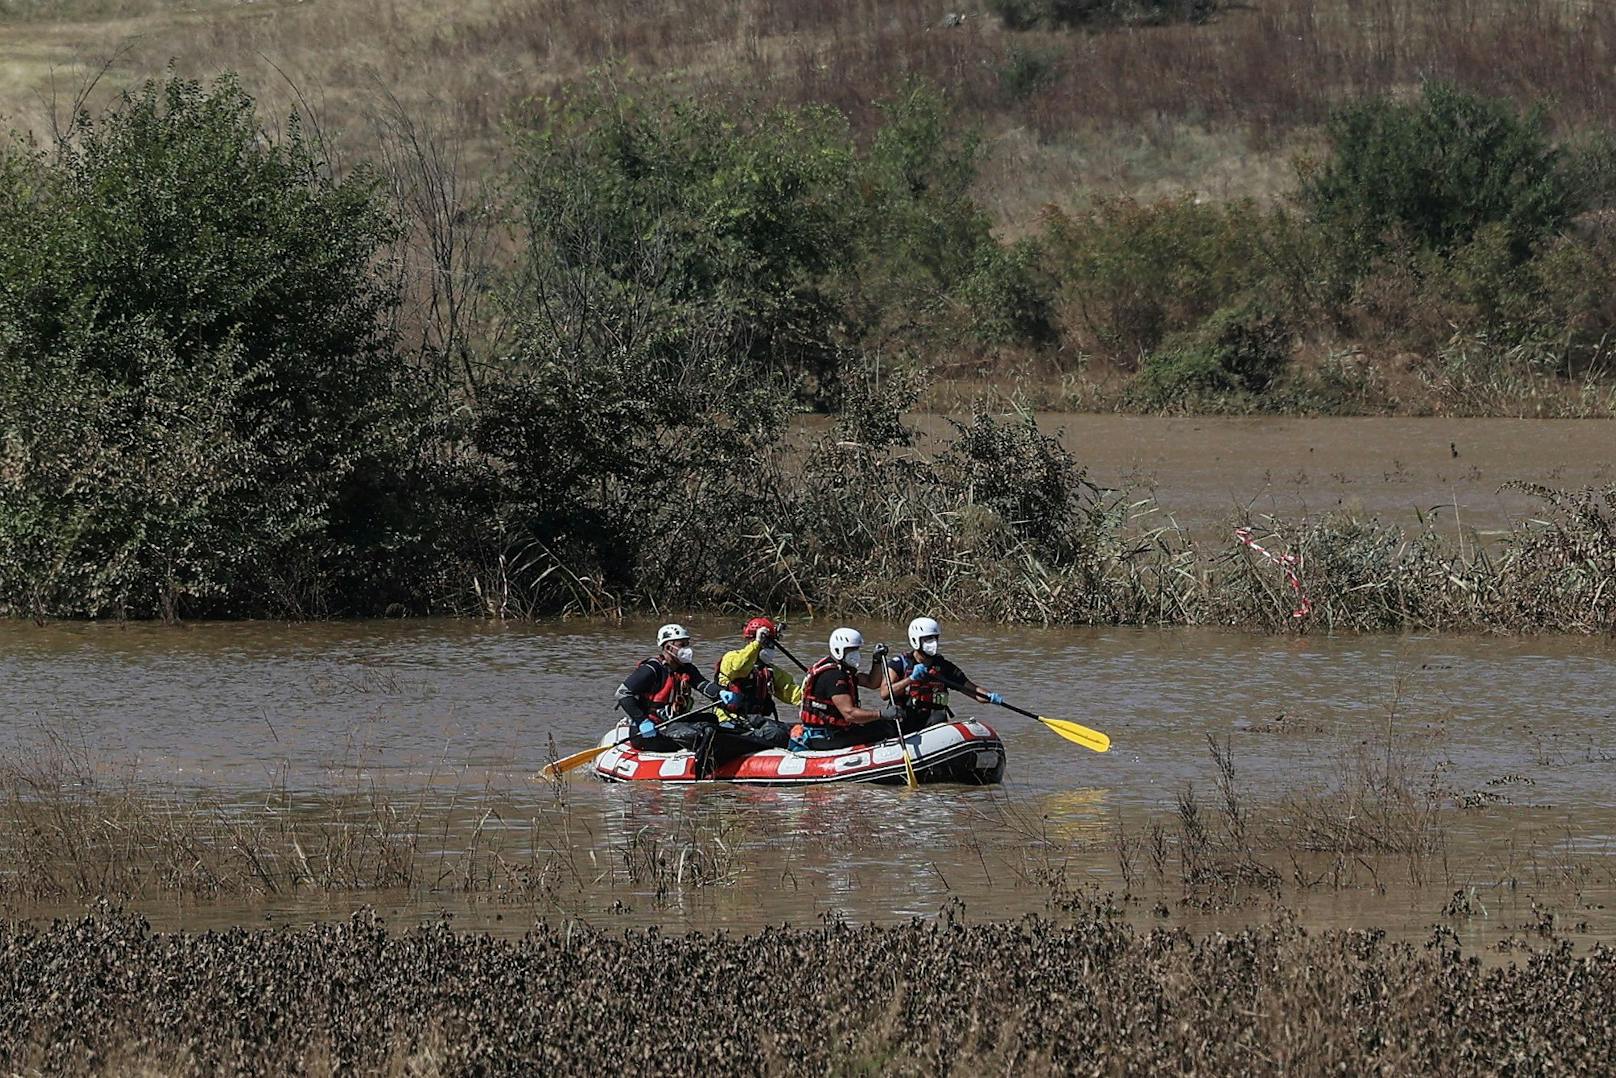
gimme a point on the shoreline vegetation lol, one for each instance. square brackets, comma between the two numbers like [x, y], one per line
[408, 359]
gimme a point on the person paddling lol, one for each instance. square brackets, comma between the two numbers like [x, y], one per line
[749, 685]
[919, 677]
[661, 687]
[831, 717]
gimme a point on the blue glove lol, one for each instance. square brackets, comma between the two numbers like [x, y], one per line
[995, 698]
[919, 672]
[730, 699]
[647, 728]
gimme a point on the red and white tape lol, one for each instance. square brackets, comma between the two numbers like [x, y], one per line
[1290, 563]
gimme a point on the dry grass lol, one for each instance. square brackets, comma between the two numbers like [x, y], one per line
[1084, 995]
[1217, 108]
[74, 827]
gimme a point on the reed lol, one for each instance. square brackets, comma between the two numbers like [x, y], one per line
[75, 827]
[1003, 525]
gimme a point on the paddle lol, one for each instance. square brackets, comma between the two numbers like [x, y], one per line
[787, 653]
[555, 770]
[1071, 731]
[892, 700]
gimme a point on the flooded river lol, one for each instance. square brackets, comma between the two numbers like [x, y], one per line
[1513, 740]
[461, 713]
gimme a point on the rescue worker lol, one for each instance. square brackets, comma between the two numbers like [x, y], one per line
[750, 683]
[831, 717]
[921, 678]
[662, 687]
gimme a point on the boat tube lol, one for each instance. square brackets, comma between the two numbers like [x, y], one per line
[966, 751]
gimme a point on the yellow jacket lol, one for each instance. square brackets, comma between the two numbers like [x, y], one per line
[738, 664]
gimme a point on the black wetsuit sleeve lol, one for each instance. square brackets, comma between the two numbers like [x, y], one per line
[642, 682]
[708, 687]
[950, 672]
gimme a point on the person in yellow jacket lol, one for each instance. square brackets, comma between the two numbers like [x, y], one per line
[749, 683]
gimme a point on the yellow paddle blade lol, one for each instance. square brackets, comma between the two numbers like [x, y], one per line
[1082, 735]
[908, 765]
[554, 771]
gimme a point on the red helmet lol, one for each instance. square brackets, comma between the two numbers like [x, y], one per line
[755, 624]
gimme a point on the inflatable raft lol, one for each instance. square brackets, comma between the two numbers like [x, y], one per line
[966, 751]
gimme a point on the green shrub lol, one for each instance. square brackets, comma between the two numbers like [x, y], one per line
[200, 408]
[1010, 298]
[1240, 349]
[663, 215]
[1590, 166]
[1024, 72]
[1132, 273]
[919, 232]
[1437, 171]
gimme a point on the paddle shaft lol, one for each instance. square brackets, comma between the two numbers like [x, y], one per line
[892, 701]
[1071, 731]
[578, 759]
[787, 653]
[669, 722]
[978, 699]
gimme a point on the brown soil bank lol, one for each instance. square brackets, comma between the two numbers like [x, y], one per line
[108, 994]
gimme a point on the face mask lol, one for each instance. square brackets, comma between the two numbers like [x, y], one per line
[929, 647]
[767, 656]
[686, 653]
[851, 657]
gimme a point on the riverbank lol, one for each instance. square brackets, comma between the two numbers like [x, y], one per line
[1078, 995]
[1272, 525]
[368, 387]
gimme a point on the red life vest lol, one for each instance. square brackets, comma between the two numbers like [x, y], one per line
[926, 695]
[756, 689]
[817, 711]
[671, 697]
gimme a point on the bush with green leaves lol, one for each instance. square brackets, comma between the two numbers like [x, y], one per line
[1131, 273]
[1240, 350]
[920, 233]
[1024, 72]
[200, 411]
[1009, 299]
[667, 212]
[1438, 170]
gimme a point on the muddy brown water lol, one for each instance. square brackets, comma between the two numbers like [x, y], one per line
[465, 711]
[462, 714]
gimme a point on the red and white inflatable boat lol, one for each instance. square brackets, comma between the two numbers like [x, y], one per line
[965, 752]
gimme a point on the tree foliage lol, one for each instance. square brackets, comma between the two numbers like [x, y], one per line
[1438, 170]
[197, 383]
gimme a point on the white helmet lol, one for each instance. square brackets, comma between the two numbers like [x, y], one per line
[671, 631]
[844, 640]
[921, 628]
